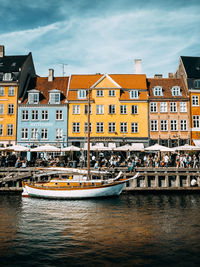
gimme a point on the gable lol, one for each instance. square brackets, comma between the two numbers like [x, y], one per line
[106, 82]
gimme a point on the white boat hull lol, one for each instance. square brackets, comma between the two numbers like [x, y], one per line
[104, 191]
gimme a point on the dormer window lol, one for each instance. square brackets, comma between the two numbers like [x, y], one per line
[133, 94]
[54, 98]
[33, 98]
[7, 77]
[82, 94]
[176, 91]
[197, 83]
[157, 91]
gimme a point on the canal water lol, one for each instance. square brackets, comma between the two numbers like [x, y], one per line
[132, 230]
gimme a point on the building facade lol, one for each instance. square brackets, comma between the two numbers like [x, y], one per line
[15, 75]
[118, 109]
[42, 113]
[169, 119]
[189, 71]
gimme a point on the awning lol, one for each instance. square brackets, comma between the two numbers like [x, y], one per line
[196, 142]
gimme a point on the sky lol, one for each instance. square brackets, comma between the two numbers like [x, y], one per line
[101, 36]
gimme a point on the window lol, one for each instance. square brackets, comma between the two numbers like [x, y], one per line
[45, 115]
[134, 127]
[195, 100]
[183, 107]
[153, 107]
[34, 115]
[100, 109]
[9, 129]
[86, 127]
[24, 115]
[44, 133]
[174, 125]
[76, 109]
[1, 129]
[99, 127]
[173, 107]
[123, 109]
[76, 127]
[111, 109]
[176, 91]
[2, 91]
[59, 115]
[34, 133]
[163, 125]
[24, 133]
[183, 125]
[157, 91]
[99, 92]
[196, 121]
[86, 109]
[33, 98]
[163, 106]
[123, 127]
[54, 98]
[111, 93]
[59, 133]
[154, 125]
[10, 109]
[11, 91]
[111, 127]
[82, 94]
[7, 77]
[134, 109]
[1, 109]
[197, 83]
[133, 94]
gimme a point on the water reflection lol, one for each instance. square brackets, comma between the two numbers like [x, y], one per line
[147, 230]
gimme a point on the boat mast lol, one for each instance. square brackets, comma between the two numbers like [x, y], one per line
[88, 148]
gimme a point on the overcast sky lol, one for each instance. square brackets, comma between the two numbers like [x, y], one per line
[91, 36]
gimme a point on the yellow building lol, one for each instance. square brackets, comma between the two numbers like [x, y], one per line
[119, 108]
[15, 76]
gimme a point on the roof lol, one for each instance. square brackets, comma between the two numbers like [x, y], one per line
[192, 66]
[166, 84]
[44, 86]
[10, 64]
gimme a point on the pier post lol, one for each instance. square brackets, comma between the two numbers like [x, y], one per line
[145, 179]
[178, 181]
[17, 183]
[188, 180]
[156, 180]
[166, 180]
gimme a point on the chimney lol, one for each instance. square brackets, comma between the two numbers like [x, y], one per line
[170, 75]
[158, 76]
[51, 75]
[138, 66]
[2, 51]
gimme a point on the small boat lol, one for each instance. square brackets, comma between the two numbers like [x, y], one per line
[78, 188]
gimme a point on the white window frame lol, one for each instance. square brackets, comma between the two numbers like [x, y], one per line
[11, 91]
[134, 127]
[81, 94]
[99, 93]
[100, 127]
[11, 109]
[111, 93]
[163, 107]
[157, 91]
[196, 121]
[7, 76]
[76, 127]
[100, 109]
[2, 91]
[44, 134]
[34, 133]
[111, 127]
[183, 125]
[34, 115]
[123, 127]
[173, 107]
[183, 107]
[197, 83]
[123, 109]
[1, 109]
[86, 109]
[154, 125]
[76, 109]
[59, 115]
[54, 98]
[86, 127]
[44, 115]
[9, 129]
[134, 94]
[174, 125]
[1, 129]
[195, 100]
[176, 91]
[24, 115]
[33, 98]
[24, 133]
[134, 109]
[153, 107]
[111, 109]
[163, 125]
[59, 134]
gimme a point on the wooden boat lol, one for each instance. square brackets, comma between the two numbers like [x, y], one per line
[76, 188]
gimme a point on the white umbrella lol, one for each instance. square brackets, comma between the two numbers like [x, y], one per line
[137, 146]
[186, 147]
[70, 148]
[100, 147]
[160, 148]
[18, 148]
[124, 148]
[45, 148]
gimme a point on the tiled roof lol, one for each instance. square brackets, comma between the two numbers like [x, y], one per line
[192, 66]
[44, 86]
[83, 81]
[130, 81]
[166, 84]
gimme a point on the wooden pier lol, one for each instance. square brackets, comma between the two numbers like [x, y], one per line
[150, 179]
